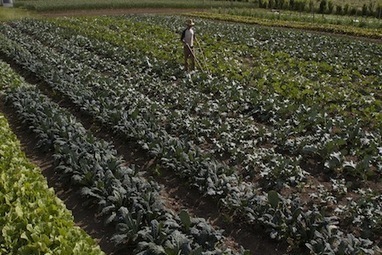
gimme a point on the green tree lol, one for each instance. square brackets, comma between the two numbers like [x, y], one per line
[379, 11]
[346, 9]
[323, 6]
[338, 9]
[364, 10]
[263, 3]
[353, 11]
[282, 4]
[371, 7]
[330, 6]
[311, 7]
[291, 5]
[300, 6]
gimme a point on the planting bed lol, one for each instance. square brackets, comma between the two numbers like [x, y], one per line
[33, 220]
[279, 131]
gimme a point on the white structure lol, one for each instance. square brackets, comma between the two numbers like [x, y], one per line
[7, 3]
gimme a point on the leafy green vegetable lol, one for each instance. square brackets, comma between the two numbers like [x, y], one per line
[32, 219]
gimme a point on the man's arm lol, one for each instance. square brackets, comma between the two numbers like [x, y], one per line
[183, 35]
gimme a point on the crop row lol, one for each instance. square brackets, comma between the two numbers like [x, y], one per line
[41, 5]
[189, 126]
[32, 219]
[340, 52]
[309, 78]
[319, 70]
[325, 64]
[161, 148]
[107, 84]
[118, 193]
[300, 130]
[339, 25]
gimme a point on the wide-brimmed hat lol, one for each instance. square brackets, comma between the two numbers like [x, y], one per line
[189, 22]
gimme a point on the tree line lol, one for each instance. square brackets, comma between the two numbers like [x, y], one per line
[371, 9]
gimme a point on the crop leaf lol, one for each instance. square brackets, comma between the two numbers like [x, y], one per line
[185, 218]
[273, 198]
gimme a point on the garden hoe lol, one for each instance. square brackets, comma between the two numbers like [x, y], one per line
[204, 57]
[196, 59]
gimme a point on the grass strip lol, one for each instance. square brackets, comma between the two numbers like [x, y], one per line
[7, 14]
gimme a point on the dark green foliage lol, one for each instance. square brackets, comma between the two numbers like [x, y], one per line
[131, 89]
[323, 6]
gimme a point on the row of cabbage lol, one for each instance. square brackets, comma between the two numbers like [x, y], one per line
[32, 219]
[302, 126]
[179, 109]
[305, 119]
[338, 68]
[319, 69]
[121, 111]
[118, 193]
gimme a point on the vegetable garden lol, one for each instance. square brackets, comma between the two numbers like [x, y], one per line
[280, 128]
[33, 220]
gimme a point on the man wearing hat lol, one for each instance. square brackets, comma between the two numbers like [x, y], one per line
[188, 37]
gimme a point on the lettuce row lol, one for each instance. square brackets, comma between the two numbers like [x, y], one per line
[32, 219]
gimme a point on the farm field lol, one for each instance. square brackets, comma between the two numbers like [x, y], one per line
[43, 5]
[56, 5]
[14, 13]
[277, 128]
[33, 220]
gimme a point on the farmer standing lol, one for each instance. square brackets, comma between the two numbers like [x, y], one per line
[188, 37]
